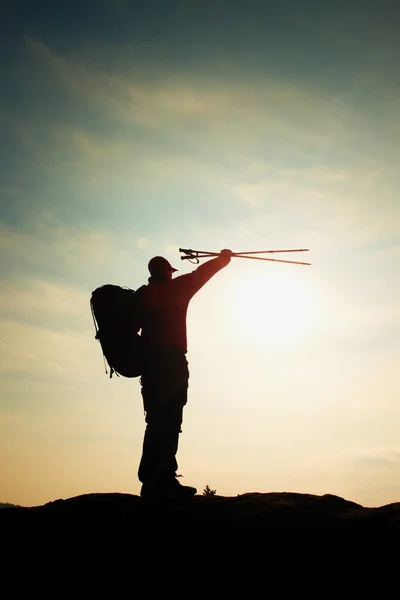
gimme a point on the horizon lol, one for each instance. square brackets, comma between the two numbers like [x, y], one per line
[131, 130]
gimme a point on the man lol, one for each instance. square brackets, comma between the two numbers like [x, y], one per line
[165, 374]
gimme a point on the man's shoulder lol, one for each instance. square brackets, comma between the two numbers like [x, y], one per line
[183, 284]
[188, 279]
[181, 281]
[184, 277]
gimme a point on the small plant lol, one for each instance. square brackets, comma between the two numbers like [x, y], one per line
[208, 491]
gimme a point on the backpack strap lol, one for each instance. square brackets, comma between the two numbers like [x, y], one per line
[96, 337]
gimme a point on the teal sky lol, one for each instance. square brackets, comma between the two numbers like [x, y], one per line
[130, 129]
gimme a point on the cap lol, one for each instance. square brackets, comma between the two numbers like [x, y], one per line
[158, 264]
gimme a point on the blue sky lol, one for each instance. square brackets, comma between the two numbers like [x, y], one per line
[131, 129]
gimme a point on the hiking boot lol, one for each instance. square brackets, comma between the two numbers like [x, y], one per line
[172, 489]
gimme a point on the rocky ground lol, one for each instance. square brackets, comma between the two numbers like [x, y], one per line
[252, 516]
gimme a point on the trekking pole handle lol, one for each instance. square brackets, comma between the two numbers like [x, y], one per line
[193, 256]
[198, 252]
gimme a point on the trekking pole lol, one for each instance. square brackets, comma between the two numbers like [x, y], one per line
[292, 262]
[194, 256]
[272, 251]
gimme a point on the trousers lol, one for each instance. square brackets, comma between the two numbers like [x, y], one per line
[164, 387]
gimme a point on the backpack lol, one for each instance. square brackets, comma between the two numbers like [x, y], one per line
[115, 312]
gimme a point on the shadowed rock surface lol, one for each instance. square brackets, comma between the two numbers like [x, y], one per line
[254, 516]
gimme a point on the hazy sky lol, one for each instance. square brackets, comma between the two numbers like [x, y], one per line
[132, 128]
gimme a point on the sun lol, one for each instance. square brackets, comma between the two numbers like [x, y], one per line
[275, 307]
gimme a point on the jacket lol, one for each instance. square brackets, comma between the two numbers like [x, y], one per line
[164, 306]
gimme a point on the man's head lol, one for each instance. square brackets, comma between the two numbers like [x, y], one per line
[160, 269]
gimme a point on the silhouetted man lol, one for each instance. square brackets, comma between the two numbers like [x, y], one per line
[165, 373]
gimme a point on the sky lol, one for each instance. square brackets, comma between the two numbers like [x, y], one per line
[132, 128]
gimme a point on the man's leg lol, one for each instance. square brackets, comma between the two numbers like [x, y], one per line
[164, 390]
[160, 445]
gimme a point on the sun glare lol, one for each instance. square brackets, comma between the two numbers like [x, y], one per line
[277, 307]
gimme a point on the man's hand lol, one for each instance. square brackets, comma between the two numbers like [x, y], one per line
[227, 255]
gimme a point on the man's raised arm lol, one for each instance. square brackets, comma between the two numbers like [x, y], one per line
[205, 271]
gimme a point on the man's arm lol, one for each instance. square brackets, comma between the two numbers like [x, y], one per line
[205, 271]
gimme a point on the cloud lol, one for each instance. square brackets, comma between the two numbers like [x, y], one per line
[34, 297]
[215, 126]
[132, 161]
[342, 202]
[45, 329]
[125, 98]
[57, 254]
[32, 350]
[174, 99]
